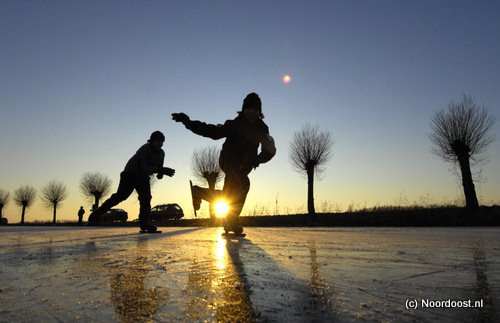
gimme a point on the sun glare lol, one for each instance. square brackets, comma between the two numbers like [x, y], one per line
[221, 208]
[287, 79]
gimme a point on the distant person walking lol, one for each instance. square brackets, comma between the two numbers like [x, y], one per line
[81, 212]
[148, 160]
[238, 156]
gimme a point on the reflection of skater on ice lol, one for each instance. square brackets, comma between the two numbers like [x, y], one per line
[147, 160]
[238, 156]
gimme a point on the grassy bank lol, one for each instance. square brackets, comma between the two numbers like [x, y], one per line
[380, 217]
[390, 217]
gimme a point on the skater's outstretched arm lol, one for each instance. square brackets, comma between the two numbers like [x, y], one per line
[201, 128]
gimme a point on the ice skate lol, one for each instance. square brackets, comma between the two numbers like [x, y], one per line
[149, 228]
[232, 229]
[195, 197]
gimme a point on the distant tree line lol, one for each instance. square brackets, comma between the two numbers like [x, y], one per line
[93, 185]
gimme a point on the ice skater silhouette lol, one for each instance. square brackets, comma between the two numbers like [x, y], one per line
[239, 155]
[148, 160]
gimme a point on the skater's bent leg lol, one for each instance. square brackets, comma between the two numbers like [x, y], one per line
[143, 189]
[207, 194]
[236, 189]
[125, 188]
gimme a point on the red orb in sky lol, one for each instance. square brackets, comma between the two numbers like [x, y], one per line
[287, 79]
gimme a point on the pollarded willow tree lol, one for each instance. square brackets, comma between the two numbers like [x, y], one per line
[460, 135]
[95, 185]
[205, 165]
[53, 194]
[4, 199]
[24, 197]
[310, 150]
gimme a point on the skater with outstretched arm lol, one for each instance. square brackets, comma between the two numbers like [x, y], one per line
[148, 160]
[239, 155]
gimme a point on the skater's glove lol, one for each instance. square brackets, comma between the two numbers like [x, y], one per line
[180, 117]
[168, 171]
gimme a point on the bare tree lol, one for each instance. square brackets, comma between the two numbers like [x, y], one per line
[53, 194]
[4, 199]
[461, 135]
[310, 150]
[24, 197]
[95, 185]
[205, 165]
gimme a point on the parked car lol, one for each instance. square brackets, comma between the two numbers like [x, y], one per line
[164, 212]
[114, 215]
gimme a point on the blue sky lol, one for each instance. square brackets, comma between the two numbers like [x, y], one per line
[84, 83]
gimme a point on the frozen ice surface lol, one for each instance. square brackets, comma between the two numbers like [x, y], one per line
[51, 274]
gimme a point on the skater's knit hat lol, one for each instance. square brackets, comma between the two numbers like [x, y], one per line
[252, 100]
[156, 135]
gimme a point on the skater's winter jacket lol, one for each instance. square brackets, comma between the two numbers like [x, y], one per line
[240, 150]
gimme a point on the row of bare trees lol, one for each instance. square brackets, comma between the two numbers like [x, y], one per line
[93, 185]
[52, 195]
[460, 134]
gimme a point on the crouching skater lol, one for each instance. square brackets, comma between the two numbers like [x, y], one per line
[148, 160]
[239, 155]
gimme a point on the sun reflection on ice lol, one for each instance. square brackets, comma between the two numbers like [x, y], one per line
[221, 257]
